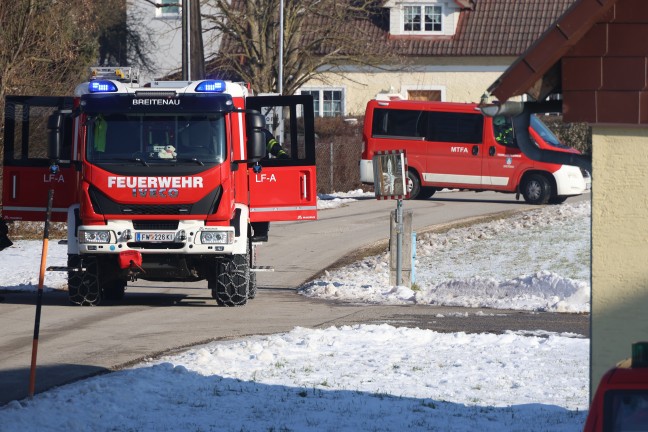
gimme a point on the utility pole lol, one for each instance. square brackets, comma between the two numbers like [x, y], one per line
[193, 55]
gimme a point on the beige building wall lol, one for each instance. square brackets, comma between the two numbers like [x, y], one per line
[619, 245]
[459, 80]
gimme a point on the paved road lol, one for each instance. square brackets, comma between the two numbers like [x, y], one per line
[77, 342]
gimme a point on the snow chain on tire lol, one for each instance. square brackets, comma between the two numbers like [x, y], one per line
[232, 280]
[83, 286]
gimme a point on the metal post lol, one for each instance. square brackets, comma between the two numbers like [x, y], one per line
[399, 241]
[281, 42]
[39, 299]
[188, 11]
[331, 167]
[280, 78]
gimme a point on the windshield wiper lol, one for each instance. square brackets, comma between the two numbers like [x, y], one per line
[133, 159]
[193, 159]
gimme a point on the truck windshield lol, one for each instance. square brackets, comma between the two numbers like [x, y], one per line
[156, 138]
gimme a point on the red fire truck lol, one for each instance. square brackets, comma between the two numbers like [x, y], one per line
[620, 403]
[168, 181]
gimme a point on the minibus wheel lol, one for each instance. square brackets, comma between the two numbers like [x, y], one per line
[536, 189]
[416, 191]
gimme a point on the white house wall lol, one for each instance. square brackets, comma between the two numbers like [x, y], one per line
[166, 35]
[459, 80]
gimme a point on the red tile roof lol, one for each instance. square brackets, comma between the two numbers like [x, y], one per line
[491, 28]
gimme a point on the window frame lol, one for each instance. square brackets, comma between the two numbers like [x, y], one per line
[161, 14]
[318, 103]
[437, 11]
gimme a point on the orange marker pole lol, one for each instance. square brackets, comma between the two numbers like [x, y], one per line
[39, 300]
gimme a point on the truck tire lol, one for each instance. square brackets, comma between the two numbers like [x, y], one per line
[114, 289]
[536, 189]
[253, 285]
[252, 290]
[83, 286]
[230, 280]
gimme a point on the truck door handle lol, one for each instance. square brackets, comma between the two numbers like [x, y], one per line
[304, 188]
[491, 151]
[475, 150]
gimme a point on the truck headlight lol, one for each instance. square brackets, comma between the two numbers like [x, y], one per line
[217, 237]
[94, 236]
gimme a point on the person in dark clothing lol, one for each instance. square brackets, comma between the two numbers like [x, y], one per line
[4, 235]
[273, 147]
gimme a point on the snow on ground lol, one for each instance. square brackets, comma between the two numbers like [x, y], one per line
[536, 260]
[365, 377]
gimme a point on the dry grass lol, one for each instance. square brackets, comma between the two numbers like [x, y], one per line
[20, 230]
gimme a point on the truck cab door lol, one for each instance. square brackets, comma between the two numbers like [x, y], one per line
[285, 189]
[26, 166]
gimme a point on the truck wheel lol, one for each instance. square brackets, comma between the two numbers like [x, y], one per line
[252, 290]
[536, 189]
[230, 283]
[114, 289]
[253, 285]
[83, 286]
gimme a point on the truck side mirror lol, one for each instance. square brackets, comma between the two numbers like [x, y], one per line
[256, 145]
[55, 135]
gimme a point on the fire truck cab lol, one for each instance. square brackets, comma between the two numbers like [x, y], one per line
[166, 182]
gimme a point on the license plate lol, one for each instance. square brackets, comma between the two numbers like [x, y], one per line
[154, 237]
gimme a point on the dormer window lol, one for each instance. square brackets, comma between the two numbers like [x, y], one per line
[424, 19]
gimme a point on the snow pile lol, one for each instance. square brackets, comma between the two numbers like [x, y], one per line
[537, 260]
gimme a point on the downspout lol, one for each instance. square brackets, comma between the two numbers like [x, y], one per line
[520, 113]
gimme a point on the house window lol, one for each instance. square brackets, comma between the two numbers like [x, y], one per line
[327, 102]
[167, 9]
[426, 19]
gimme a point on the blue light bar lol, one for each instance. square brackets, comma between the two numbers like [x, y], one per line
[211, 86]
[102, 87]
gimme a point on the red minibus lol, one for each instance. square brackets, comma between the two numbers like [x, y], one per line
[454, 146]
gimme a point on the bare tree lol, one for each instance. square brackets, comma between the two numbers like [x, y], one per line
[45, 46]
[319, 36]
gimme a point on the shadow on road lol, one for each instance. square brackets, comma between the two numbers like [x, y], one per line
[14, 383]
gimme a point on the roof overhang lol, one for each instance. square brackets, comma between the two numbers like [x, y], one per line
[466, 4]
[537, 71]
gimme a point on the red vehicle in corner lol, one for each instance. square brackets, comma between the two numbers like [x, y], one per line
[620, 403]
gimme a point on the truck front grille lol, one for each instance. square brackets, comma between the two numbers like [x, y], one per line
[165, 225]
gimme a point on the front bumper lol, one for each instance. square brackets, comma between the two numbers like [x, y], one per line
[190, 238]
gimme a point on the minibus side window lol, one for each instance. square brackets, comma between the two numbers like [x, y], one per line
[503, 131]
[455, 127]
[398, 123]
